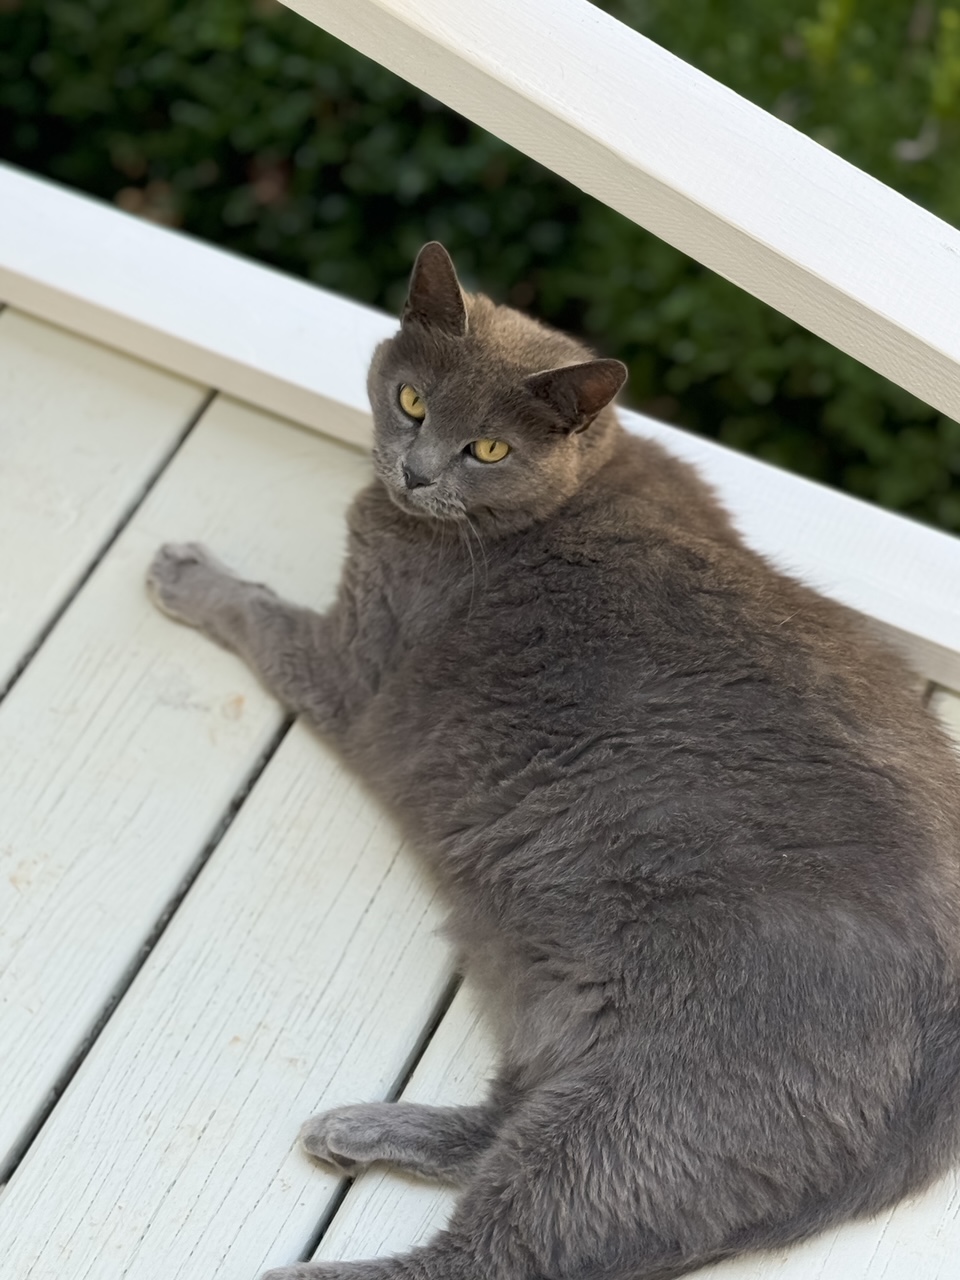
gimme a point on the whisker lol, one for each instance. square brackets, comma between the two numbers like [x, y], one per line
[483, 550]
[473, 565]
[434, 532]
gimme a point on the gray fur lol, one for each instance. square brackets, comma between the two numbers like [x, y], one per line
[698, 837]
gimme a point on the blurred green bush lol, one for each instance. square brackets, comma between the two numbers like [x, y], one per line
[245, 125]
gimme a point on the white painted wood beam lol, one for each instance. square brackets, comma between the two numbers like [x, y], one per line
[192, 309]
[947, 706]
[734, 187]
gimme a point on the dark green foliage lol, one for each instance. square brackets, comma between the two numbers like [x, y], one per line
[243, 124]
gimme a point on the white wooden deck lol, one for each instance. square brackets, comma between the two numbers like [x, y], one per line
[207, 932]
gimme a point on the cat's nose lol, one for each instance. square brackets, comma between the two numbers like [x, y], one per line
[414, 479]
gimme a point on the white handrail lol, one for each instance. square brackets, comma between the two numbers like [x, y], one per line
[729, 184]
[185, 305]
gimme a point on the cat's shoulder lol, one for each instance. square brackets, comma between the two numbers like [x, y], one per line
[645, 494]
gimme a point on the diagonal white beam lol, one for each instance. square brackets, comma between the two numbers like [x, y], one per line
[712, 174]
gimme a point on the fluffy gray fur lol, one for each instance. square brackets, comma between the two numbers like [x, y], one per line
[698, 837]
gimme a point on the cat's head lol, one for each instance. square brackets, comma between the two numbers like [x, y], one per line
[480, 411]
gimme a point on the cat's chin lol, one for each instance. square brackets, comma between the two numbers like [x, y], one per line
[424, 507]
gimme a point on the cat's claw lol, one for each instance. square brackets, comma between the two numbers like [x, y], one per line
[180, 579]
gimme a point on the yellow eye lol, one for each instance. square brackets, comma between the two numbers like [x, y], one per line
[412, 403]
[489, 450]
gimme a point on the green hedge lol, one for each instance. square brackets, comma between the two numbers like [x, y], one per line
[243, 124]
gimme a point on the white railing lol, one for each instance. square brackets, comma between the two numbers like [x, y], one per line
[732, 186]
[186, 306]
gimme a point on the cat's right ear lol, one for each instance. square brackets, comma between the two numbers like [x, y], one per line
[577, 392]
[435, 299]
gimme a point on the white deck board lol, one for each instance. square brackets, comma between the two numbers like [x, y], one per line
[82, 429]
[124, 741]
[299, 973]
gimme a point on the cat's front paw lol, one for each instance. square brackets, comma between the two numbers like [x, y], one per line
[347, 1138]
[183, 580]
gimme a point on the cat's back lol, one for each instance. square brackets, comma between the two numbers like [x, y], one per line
[652, 569]
[738, 681]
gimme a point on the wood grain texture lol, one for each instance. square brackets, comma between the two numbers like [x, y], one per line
[386, 1212]
[299, 973]
[82, 429]
[709, 172]
[186, 306]
[127, 736]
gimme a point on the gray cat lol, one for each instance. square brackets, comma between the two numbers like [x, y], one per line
[699, 839]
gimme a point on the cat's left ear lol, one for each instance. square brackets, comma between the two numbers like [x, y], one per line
[577, 392]
[435, 299]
